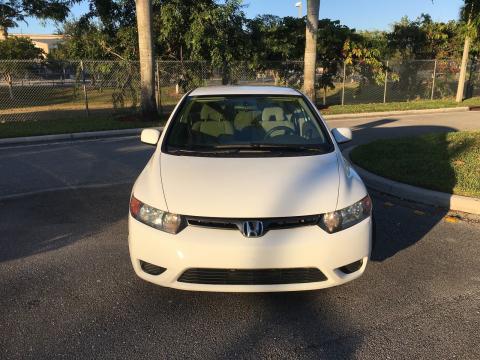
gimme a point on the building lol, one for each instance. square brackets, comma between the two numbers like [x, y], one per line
[46, 42]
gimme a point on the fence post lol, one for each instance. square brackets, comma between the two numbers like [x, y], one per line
[343, 84]
[159, 94]
[85, 95]
[434, 75]
[386, 82]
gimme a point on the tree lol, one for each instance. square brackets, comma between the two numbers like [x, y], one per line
[273, 41]
[423, 38]
[332, 37]
[16, 48]
[173, 21]
[218, 35]
[470, 13]
[13, 11]
[147, 59]
[376, 40]
[313, 7]
[273, 38]
[89, 40]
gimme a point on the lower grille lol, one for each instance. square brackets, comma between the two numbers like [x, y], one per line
[151, 269]
[351, 268]
[251, 277]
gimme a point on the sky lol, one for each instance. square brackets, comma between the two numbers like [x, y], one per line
[358, 14]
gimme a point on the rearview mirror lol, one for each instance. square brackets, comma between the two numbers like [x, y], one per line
[150, 136]
[342, 135]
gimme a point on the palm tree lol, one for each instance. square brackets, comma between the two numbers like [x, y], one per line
[310, 58]
[3, 33]
[471, 14]
[147, 59]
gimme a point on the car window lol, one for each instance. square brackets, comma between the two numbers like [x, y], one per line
[246, 122]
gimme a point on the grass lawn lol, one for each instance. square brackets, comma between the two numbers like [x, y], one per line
[56, 110]
[447, 162]
[393, 106]
[70, 125]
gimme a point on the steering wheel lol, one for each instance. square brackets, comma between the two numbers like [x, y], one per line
[288, 130]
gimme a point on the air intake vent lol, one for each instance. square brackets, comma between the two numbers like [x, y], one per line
[151, 269]
[251, 277]
[351, 268]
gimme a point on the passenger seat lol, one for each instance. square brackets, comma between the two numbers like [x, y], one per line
[212, 123]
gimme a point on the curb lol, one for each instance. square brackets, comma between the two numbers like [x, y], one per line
[72, 136]
[414, 193]
[397, 112]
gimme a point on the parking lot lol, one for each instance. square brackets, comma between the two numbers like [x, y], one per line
[67, 289]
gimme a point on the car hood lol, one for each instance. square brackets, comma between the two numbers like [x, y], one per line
[250, 187]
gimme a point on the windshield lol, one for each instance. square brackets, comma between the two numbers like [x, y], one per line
[246, 124]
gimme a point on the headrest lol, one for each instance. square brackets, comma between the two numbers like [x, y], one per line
[274, 113]
[209, 113]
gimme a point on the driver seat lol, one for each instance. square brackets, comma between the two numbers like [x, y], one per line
[273, 117]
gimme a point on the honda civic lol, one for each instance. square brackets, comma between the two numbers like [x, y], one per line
[247, 191]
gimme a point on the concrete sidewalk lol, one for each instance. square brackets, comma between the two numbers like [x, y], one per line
[396, 113]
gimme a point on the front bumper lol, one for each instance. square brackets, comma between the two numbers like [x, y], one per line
[198, 247]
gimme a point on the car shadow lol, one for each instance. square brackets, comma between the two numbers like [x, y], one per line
[298, 325]
[48, 221]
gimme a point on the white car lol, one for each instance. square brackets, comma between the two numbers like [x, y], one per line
[247, 190]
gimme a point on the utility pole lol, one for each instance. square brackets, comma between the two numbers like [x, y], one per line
[298, 5]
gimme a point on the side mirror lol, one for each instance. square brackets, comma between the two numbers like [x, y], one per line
[342, 135]
[150, 136]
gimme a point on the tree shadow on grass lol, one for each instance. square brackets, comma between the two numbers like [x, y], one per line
[385, 128]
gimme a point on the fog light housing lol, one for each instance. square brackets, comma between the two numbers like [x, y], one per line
[352, 267]
[151, 269]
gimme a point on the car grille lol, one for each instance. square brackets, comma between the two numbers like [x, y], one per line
[251, 276]
[268, 223]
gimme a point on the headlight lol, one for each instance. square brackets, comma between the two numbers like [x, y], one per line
[347, 217]
[161, 220]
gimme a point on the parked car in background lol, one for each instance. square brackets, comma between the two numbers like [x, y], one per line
[247, 190]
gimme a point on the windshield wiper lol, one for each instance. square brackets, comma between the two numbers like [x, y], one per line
[227, 149]
[200, 150]
[270, 147]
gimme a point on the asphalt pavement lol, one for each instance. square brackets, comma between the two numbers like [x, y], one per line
[67, 289]
[70, 164]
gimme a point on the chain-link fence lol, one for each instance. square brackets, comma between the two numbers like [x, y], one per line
[37, 90]
[174, 78]
[33, 90]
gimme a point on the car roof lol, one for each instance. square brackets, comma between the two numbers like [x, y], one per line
[243, 90]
